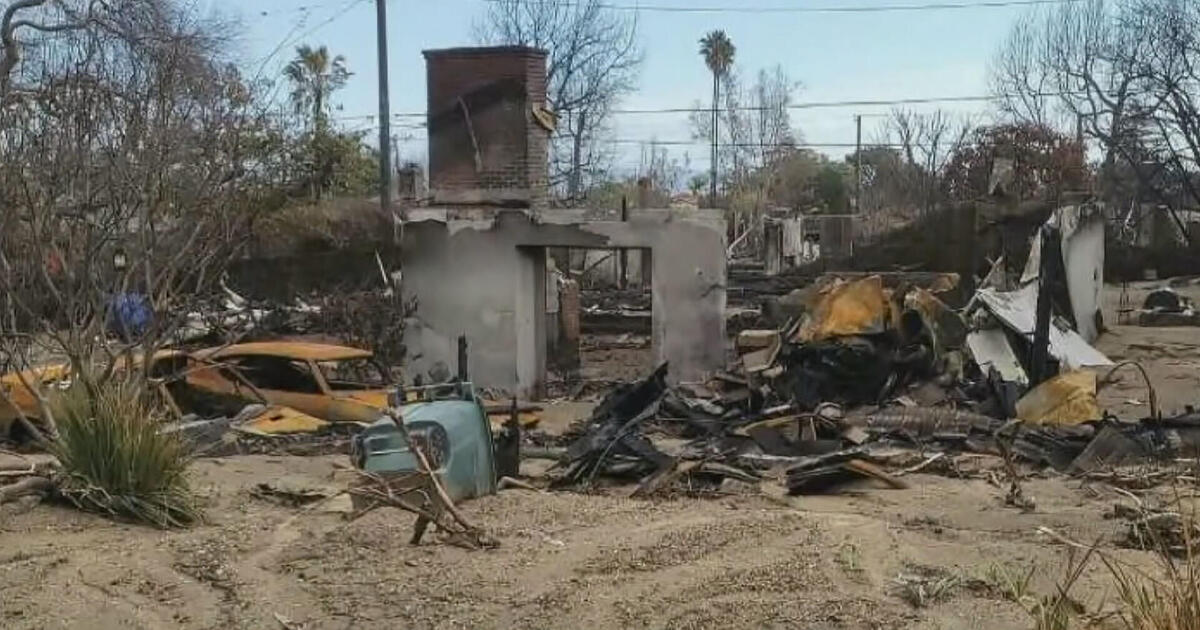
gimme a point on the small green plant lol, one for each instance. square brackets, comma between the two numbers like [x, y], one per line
[114, 458]
[1170, 601]
[849, 558]
[1012, 583]
[1059, 610]
[923, 586]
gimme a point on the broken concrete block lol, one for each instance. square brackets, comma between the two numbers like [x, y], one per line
[756, 339]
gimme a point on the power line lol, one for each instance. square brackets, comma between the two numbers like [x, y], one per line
[336, 16]
[936, 6]
[795, 106]
[653, 142]
[300, 9]
[304, 11]
[817, 105]
[755, 145]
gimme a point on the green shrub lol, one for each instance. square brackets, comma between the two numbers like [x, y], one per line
[114, 458]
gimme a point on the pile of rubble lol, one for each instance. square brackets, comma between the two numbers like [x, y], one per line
[863, 372]
[1167, 307]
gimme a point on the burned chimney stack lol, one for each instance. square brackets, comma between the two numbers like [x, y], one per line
[489, 126]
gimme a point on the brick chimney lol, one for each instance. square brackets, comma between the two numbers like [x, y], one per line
[488, 126]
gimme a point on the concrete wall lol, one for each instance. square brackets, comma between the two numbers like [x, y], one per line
[480, 273]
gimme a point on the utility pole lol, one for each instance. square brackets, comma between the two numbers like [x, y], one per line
[858, 165]
[623, 261]
[396, 165]
[716, 131]
[385, 137]
[576, 180]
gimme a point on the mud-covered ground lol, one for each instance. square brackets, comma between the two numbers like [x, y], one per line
[584, 561]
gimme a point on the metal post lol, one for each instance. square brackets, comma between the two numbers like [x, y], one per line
[463, 374]
[576, 181]
[623, 261]
[1050, 258]
[385, 138]
[716, 127]
[858, 165]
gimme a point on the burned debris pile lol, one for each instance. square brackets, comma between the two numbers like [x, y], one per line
[1167, 307]
[855, 383]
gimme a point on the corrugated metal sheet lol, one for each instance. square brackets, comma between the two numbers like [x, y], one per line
[990, 349]
[1083, 262]
[1018, 310]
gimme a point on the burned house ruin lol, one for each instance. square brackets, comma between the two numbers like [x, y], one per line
[475, 253]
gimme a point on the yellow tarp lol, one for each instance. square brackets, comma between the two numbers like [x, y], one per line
[849, 308]
[1069, 398]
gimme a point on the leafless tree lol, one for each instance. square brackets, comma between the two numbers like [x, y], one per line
[1126, 74]
[926, 140]
[130, 165]
[662, 172]
[756, 140]
[594, 59]
[755, 123]
[1023, 90]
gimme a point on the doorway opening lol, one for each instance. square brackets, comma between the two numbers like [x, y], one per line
[599, 318]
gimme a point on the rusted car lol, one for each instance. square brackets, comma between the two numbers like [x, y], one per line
[18, 399]
[15, 387]
[171, 373]
[330, 382]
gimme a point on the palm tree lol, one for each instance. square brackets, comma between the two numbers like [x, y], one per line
[314, 76]
[717, 50]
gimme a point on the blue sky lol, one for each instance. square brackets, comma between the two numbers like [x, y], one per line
[836, 56]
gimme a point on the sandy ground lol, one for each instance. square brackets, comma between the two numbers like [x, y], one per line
[576, 561]
[566, 560]
[1171, 357]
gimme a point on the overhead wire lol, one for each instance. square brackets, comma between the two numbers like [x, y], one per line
[290, 38]
[345, 8]
[332, 18]
[932, 6]
[793, 106]
[653, 142]
[304, 8]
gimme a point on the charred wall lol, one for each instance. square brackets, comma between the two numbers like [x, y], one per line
[483, 276]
